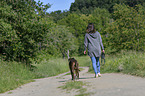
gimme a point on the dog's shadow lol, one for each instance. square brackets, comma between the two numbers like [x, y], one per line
[86, 78]
[76, 79]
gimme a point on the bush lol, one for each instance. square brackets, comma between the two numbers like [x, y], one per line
[13, 74]
[127, 62]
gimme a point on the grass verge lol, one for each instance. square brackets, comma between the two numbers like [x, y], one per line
[14, 74]
[52, 67]
[126, 62]
[83, 61]
[78, 86]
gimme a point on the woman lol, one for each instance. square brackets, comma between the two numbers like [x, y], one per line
[93, 42]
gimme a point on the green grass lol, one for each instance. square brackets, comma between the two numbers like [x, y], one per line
[126, 62]
[85, 94]
[73, 85]
[13, 74]
[51, 67]
[78, 86]
[83, 61]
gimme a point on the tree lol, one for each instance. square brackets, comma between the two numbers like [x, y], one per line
[100, 18]
[127, 31]
[77, 25]
[89, 5]
[58, 40]
[57, 15]
[19, 29]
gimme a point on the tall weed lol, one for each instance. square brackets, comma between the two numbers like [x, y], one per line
[127, 62]
[84, 61]
[13, 74]
[55, 66]
[51, 67]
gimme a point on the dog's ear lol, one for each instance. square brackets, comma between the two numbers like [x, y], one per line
[69, 59]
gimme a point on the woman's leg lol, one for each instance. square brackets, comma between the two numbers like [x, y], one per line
[98, 64]
[93, 59]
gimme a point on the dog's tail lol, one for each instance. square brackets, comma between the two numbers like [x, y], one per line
[68, 54]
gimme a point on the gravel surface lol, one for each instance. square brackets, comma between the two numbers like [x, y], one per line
[110, 84]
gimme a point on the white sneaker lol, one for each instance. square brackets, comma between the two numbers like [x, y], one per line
[99, 74]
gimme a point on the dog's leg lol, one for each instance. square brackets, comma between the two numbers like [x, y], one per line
[73, 70]
[72, 74]
[77, 73]
[77, 70]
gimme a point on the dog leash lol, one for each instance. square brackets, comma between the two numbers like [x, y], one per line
[103, 58]
[103, 63]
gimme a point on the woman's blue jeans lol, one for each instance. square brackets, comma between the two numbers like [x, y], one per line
[96, 64]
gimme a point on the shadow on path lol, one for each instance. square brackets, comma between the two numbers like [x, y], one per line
[77, 79]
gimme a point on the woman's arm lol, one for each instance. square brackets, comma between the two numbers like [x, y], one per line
[101, 44]
[85, 43]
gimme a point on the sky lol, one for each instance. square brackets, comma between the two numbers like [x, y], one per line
[57, 4]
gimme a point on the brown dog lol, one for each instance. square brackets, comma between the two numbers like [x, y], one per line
[74, 67]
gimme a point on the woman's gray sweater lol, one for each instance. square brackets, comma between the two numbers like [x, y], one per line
[93, 42]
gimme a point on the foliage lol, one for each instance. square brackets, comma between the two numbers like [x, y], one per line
[77, 26]
[58, 15]
[59, 39]
[75, 22]
[21, 29]
[29, 34]
[47, 68]
[83, 60]
[127, 31]
[13, 75]
[129, 62]
[87, 6]
[27, 30]
[100, 18]
[73, 85]
[77, 85]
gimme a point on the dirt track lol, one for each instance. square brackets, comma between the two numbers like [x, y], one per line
[110, 84]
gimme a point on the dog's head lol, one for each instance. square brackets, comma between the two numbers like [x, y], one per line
[71, 59]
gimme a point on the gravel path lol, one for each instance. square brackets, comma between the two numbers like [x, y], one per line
[110, 84]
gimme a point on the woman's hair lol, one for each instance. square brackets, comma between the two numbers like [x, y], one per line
[90, 28]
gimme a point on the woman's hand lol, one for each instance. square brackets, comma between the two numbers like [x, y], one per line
[103, 51]
[84, 52]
